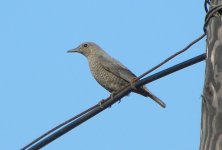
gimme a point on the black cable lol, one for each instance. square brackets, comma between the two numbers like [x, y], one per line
[57, 127]
[144, 74]
[109, 101]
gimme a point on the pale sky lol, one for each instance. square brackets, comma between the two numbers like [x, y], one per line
[42, 85]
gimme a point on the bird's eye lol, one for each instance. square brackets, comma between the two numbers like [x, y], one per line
[85, 45]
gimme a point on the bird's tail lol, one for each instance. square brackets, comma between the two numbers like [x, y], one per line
[145, 92]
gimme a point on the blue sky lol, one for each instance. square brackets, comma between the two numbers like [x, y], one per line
[42, 85]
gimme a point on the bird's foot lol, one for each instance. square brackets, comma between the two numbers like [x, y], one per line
[101, 103]
[112, 95]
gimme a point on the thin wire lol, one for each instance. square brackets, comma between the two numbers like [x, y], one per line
[211, 13]
[172, 56]
[58, 126]
[144, 74]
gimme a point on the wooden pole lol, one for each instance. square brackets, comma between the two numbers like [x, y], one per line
[211, 121]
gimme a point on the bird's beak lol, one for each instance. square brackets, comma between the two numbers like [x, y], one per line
[73, 50]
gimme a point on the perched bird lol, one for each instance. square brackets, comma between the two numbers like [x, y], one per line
[109, 72]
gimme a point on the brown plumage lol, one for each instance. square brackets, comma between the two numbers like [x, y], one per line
[109, 72]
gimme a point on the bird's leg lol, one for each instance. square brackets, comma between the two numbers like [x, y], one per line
[112, 95]
[103, 100]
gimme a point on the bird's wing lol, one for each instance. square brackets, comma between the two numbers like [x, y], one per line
[115, 67]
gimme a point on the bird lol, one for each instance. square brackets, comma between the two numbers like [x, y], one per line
[109, 72]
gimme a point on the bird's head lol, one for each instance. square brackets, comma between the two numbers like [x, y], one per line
[86, 48]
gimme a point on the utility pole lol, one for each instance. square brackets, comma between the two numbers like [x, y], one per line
[211, 121]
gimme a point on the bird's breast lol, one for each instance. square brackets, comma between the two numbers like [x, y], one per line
[105, 78]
